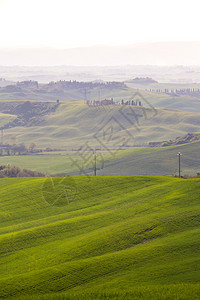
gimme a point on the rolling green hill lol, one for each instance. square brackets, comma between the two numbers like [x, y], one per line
[155, 161]
[189, 103]
[181, 102]
[74, 123]
[132, 237]
[46, 93]
[75, 126]
[5, 118]
[134, 161]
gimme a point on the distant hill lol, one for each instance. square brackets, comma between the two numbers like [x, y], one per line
[141, 80]
[100, 90]
[188, 138]
[26, 113]
[177, 74]
[64, 90]
[73, 123]
[158, 53]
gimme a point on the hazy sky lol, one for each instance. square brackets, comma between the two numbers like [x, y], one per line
[74, 23]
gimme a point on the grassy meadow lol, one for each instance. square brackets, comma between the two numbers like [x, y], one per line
[133, 161]
[123, 237]
[74, 123]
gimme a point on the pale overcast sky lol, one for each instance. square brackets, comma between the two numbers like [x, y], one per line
[75, 23]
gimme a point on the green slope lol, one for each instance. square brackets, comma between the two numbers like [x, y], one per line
[185, 103]
[134, 161]
[155, 161]
[74, 123]
[45, 94]
[132, 237]
[182, 102]
[5, 118]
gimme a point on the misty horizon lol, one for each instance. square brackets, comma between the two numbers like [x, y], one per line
[157, 53]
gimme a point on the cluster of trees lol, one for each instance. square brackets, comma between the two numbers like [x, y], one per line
[19, 149]
[112, 102]
[73, 84]
[18, 87]
[101, 102]
[28, 84]
[137, 103]
[176, 91]
[8, 171]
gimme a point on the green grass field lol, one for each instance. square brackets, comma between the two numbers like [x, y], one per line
[5, 118]
[67, 94]
[134, 161]
[154, 161]
[131, 237]
[74, 123]
[162, 100]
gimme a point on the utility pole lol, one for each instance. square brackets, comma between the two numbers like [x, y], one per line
[2, 137]
[85, 96]
[95, 164]
[179, 164]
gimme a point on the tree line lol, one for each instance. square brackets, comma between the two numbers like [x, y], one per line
[19, 149]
